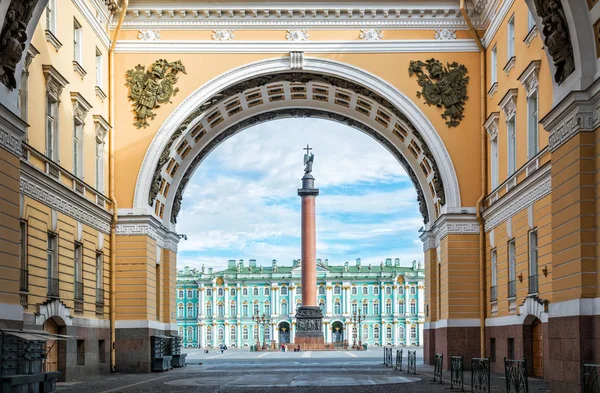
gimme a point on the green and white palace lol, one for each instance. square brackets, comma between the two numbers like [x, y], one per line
[217, 307]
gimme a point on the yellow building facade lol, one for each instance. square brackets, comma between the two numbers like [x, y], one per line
[107, 108]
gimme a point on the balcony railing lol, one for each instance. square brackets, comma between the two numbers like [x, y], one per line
[99, 296]
[52, 287]
[24, 281]
[78, 290]
[512, 288]
[533, 284]
[494, 293]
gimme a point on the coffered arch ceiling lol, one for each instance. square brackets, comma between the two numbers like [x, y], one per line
[267, 90]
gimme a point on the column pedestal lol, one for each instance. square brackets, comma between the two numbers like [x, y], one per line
[309, 327]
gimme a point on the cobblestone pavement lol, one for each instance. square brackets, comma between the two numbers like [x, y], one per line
[318, 373]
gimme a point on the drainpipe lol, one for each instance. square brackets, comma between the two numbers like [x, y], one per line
[478, 206]
[111, 183]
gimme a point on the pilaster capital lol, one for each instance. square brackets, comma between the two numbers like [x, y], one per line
[136, 225]
[428, 239]
[529, 77]
[508, 103]
[491, 125]
[460, 224]
[55, 82]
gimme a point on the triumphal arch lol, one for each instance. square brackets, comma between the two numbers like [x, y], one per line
[491, 107]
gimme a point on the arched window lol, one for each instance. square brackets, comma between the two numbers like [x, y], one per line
[365, 307]
[401, 333]
[220, 310]
[388, 290]
[180, 310]
[220, 334]
[209, 333]
[400, 290]
[388, 307]
[284, 308]
[413, 306]
[337, 307]
[413, 332]
[413, 290]
[354, 307]
[376, 332]
[232, 308]
[180, 294]
[401, 307]
[190, 333]
[375, 289]
[322, 306]
[244, 291]
[267, 308]
[365, 332]
[245, 333]
[255, 291]
[232, 333]
[208, 292]
[220, 291]
[376, 308]
[354, 291]
[267, 291]
[255, 309]
[365, 290]
[245, 309]
[322, 290]
[337, 290]
[267, 334]
[209, 309]
[298, 290]
[284, 291]
[180, 331]
[190, 293]
[256, 332]
[190, 310]
[231, 291]
[388, 332]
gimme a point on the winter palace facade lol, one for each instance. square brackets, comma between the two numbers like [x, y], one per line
[217, 307]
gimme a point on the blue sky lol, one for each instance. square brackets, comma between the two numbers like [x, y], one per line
[242, 201]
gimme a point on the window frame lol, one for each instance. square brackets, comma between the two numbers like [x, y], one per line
[510, 46]
[511, 145]
[77, 42]
[494, 65]
[50, 12]
[533, 147]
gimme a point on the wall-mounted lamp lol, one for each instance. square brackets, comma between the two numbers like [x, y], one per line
[545, 271]
[520, 276]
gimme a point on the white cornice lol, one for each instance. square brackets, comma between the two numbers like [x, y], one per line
[530, 190]
[383, 46]
[497, 19]
[12, 131]
[135, 225]
[458, 224]
[258, 15]
[40, 187]
[89, 16]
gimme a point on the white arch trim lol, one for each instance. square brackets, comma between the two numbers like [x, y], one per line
[310, 64]
[51, 309]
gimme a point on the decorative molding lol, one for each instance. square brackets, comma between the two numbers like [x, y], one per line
[80, 107]
[497, 20]
[520, 197]
[578, 112]
[575, 307]
[102, 127]
[493, 89]
[55, 82]
[353, 46]
[491, 125]
[370, 35]
[445, 34]
[53, 194]
[148, 35]
[428, 240]
[529, 77]
[53, 308]
[100, 31]
[510, 65]
[79, 69]
[100, 93]
[297, 35]
[136, 225]
[452, 323]
[296, 60]
[534, 32]
[145, 15]
[508, 103]
[455, 224]
[12, 131]
[222, 35]
[51, 38]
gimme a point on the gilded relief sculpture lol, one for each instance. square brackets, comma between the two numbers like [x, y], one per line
[445, 86]
[149, 88]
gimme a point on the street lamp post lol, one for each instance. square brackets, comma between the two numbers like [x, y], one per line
[356, 320]
[265, 321]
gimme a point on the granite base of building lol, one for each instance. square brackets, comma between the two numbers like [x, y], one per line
[133, 349]
[451, 341]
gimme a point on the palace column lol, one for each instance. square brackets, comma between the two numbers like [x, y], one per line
[292, 305]
[328, 299]
[226, 306]
[395, 301]
[407, 333]
[201, 301]
[309, 316]
[238, 295]
[226, 333]
[420, 299]
[239, 334]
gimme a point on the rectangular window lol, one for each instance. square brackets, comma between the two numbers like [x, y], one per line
[510, 348]
[494, 69]
[51, 16]
[492, 349]
[100, 166]
[99, 278]
[101, 351]
[365, 309]
[494, 163]
[533, 262]
[245, 310]
[78, 149]
[512, 269]
[51, 129]
[511, 37]
[81, 352]
[376, 308]
[77, 45]
[52, 256]
[532, 125]
[512, 146]
[530, 21]
[24, 281]
[78, 270]
[494, 294]
[268, 309]
[245, 334]
[255, 309]
[99, 68]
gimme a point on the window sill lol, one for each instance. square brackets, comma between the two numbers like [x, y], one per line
[51, 38]
[493, 89]
[100, 93]
[510, 65]
[79, 69]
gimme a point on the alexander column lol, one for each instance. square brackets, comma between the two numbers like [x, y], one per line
[309, 318]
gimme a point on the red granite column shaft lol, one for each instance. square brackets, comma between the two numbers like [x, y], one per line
[309, 252]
